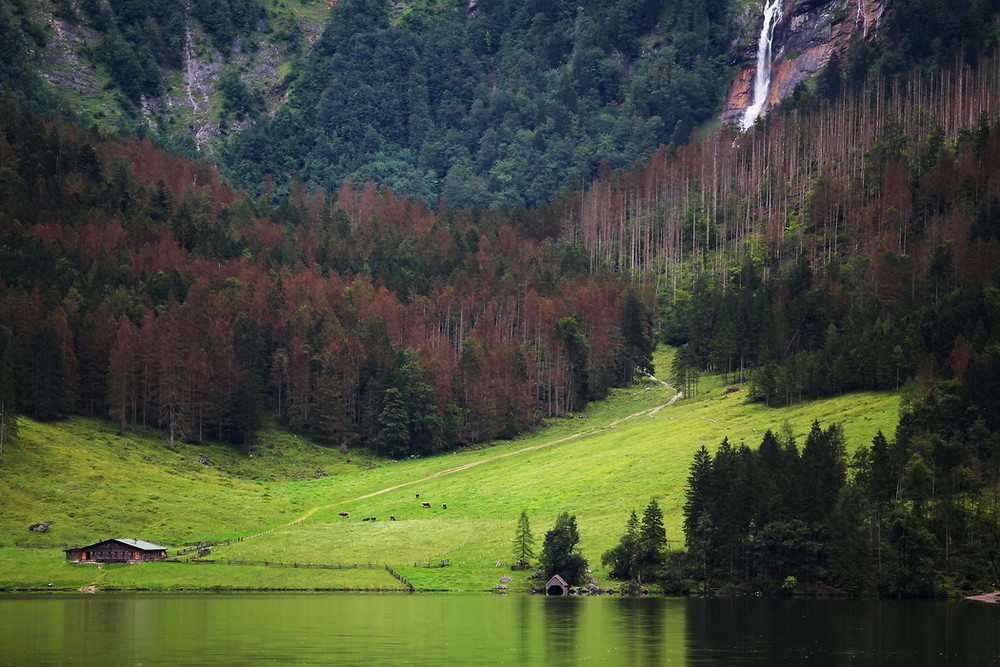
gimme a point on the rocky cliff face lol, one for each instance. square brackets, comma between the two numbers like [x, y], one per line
[807, 35]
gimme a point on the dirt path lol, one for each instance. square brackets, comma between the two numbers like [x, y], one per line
[450, 471]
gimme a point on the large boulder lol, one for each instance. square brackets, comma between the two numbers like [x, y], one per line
[40, 527]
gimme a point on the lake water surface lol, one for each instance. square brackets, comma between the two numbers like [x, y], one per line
[426, 629]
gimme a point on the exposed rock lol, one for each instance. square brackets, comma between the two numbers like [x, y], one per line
[40, 527]
[805, 38]
[63, 64]
[740, 95]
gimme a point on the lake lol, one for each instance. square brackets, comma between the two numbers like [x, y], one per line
[463, 629]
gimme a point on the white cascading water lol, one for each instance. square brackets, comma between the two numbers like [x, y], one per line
[762, 77]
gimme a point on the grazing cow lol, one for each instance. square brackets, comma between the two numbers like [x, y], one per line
[444, 506]
[418, 495]
[392, 517]
[345, 514]
[425, 504]
[367, 518]
[374, 518]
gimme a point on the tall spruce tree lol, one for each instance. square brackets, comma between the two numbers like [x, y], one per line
[651, 551]
[8, 407]
[47, 393]
[524, 542]
[699, 492]
[622, 558]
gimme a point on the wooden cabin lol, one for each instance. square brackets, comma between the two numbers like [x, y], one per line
[556, 586]
[117, 550]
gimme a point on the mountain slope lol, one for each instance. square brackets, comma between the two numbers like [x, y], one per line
[487, 104]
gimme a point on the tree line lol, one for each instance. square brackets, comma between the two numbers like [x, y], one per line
[915, 515]
[141, 286]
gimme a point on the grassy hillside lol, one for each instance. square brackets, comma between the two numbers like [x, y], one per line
[92, 484]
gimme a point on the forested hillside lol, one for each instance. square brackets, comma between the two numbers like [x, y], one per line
[139, 285]
[849, 245]
[491, 103]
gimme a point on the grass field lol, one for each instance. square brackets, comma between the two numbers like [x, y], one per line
[286, 500]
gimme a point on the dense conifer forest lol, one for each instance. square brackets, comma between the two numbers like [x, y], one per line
[502, 103]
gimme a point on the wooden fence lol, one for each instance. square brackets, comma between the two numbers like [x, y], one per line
[275, 563]
[401, 579]
[318, 566]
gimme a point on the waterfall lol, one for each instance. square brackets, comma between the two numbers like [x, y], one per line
[762, 77]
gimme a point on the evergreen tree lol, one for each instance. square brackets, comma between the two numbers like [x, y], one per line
[329, 419]
[393, 439]
[652, 544]
[684, 373]
[824, 466]
[247, 409]
[45, 381]
[622, 558]
[700, 491]
[524, 542]
[569, 333]
[701, 541]
[408, 422]
[637, 341]
[8, 406]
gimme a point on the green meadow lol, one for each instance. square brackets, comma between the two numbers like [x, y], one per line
[285, 501]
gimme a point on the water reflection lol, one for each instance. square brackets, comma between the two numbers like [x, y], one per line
[645, 620]
[562, 619]
[827, 632]
[489, 630]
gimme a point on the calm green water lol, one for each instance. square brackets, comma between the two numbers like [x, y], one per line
[486, 630]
